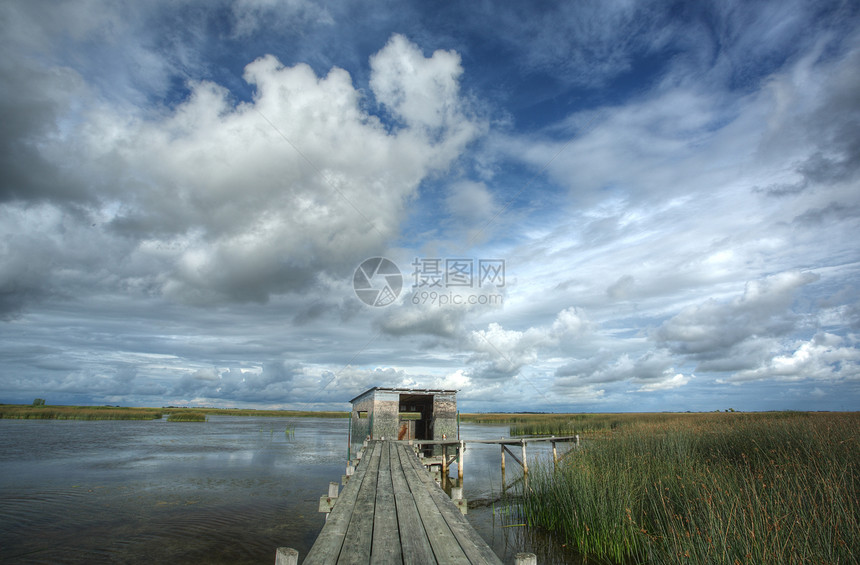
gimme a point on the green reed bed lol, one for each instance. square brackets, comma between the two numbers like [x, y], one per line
[257, 413]
[186, 417]
[728, 488]
[26, 412]
[537, 424]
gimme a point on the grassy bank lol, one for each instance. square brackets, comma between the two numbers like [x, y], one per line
[525, 424]
[256, 413]
[186, 417]
[28, 412]
[708, 488]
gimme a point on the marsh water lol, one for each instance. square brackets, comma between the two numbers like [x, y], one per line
[230, 490]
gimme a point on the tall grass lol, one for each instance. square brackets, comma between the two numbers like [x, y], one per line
[28, 412]
[186, 417]
[31, 412]
[537, 424]
[727, 488]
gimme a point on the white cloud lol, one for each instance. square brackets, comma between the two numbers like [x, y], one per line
[423, 92]
[677, 176]
[470, 202]
[239, 202]
[674, 381]
[824, 357]
[252, 15]
[764, 309]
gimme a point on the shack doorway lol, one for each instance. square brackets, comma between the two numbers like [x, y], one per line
[415, 416]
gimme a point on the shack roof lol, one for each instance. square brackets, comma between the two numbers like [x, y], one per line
[407, 391]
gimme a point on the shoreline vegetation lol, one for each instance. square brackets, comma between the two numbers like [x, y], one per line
[174, 414]
[779, 487]
[669, 487]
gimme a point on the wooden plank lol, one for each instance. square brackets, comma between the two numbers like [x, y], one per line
[415, 547]
[359, 535]
[473, 545]
[327, 547]
[386, 533]
[445, 545]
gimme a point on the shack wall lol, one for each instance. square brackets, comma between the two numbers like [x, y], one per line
[361, 426]
[386, 408]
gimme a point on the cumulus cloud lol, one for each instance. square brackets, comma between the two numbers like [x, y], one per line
[712, 328]
[652, 371]
[824, 357]
[436, 321]
[502, 353]
[646, 163]
[236, 202]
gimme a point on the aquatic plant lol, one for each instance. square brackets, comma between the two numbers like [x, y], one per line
[727, 488]
[43, 412]
[186, 417]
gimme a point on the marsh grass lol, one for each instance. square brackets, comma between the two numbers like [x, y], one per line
[28, 412]
[537, 424]
[708, 488]
[31, 412]
[186, 417]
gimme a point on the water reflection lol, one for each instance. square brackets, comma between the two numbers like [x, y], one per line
[227, 491]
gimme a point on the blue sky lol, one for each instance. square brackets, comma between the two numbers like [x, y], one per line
[187, 189]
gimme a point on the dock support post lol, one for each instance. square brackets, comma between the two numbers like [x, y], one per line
[504, 486]
[554, 455]
[525, 559]
[525, 463]
[444, 462]
[457, 498]
[460, 462]
[286, 556]
[327, 501]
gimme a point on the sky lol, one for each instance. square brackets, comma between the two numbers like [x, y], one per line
[580, 206]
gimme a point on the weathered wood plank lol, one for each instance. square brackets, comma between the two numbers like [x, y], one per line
[445, 545]
[386, 533]
[359, 536]
[415, 547]
[473, 545]
[392, 512]
[327, 547]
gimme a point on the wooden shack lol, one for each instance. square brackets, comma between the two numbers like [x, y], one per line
[400, 413]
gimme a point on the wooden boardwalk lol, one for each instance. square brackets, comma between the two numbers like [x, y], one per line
[391, 511]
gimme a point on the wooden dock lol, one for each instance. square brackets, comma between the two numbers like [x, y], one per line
[391, 511]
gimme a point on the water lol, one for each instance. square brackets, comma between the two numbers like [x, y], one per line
[227, 491]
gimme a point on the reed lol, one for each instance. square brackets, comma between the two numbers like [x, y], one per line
[31, 412]
[536, 424]
[186, 417]
[28, 412]
[718, 488]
